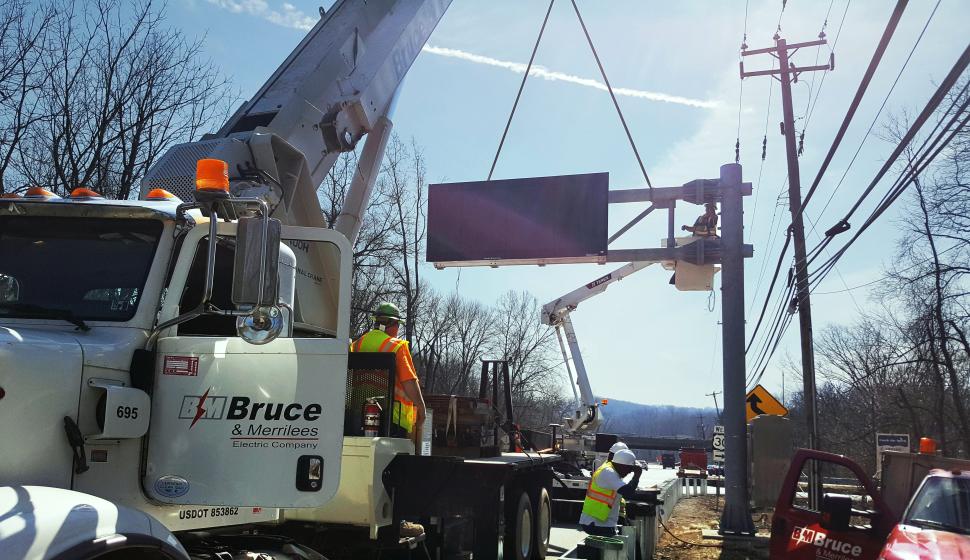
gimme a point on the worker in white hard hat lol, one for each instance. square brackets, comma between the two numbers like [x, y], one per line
[616, 447]
[601, 508]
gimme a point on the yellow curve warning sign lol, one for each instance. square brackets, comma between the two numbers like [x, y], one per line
[760, 401]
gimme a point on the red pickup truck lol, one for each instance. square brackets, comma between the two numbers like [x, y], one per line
[853, 519]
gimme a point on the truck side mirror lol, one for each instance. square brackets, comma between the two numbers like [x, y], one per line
[836, 512]
[257, 256]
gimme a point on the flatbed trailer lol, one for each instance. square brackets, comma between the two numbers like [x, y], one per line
[491, 507]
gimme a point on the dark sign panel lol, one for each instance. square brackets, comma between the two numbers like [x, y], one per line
[537, 218]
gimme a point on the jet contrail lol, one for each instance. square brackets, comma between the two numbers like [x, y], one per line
[289, 16]
[546, 74]
[294, 18]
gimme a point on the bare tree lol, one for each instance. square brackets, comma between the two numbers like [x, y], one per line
[23, 34]
[112, 87]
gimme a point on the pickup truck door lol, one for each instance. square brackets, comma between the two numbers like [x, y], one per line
[237, 424]
[799, 531]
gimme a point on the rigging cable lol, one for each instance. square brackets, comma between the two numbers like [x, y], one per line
[525, 77]
[612, 95]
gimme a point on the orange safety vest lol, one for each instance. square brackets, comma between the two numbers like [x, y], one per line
[599, 500]
[376, 340]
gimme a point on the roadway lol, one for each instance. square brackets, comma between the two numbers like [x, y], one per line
[655, 475]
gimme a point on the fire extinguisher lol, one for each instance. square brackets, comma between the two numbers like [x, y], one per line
[371, 417]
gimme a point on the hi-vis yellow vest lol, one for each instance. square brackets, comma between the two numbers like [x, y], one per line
[379, 341]
[599, 501]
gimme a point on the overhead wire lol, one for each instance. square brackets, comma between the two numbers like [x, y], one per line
[744, 47]
[926, 154]
[779, 322]
[928, 110]
[835, 44]
[890, 196]
[764, 151]
[907, 177]
[772, 229]
[859, 94]
[811, 85]
[881, 278]
[875, 119]
[771, 288]
[809, 108]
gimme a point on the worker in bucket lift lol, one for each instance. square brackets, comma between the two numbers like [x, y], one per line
[601, 508]
[706, 224]
[408, 411]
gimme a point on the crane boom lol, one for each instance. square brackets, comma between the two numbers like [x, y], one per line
[556, 314]
[335, 88]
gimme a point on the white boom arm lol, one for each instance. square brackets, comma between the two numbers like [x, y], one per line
[334, 88]
[556, 314]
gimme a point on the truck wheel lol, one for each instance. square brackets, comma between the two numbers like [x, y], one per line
[519, 529]
[543, 523]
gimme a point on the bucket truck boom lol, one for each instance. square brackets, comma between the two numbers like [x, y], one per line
[587, 416]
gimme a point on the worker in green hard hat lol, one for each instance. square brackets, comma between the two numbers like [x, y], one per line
[409, 410]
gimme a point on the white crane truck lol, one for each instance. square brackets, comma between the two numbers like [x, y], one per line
[174, 370]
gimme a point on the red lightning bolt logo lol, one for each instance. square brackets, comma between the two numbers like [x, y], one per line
[199, 411]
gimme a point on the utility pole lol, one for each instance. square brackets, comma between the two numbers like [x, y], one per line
[716, 409]
[786, 74]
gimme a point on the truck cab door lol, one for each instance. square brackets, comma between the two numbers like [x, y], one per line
[850, 521]
[239, 424]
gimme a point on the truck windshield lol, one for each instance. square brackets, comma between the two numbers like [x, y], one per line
[942, 504]
[74, 268]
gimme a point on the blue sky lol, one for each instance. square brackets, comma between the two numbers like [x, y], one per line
[642, 340]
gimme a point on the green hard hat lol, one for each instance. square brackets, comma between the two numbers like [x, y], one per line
[387, 310]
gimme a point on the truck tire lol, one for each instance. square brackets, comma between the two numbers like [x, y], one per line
[520, 525]
[542, 525]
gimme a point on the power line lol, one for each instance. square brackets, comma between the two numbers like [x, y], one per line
[879, 112]
[764, 151]
[884, 277]
[908, 175]
[771, 242]
[887, 35]
[771, 288]
[744, 45]
[808, 118]
[835, 43]
[928, 110]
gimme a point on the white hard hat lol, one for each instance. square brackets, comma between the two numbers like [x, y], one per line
[625, 457]
[618, 446]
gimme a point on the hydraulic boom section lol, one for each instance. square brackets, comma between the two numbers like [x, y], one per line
[335, 87]
[556, 314]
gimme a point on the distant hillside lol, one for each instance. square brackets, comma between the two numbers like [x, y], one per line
[623, 417]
